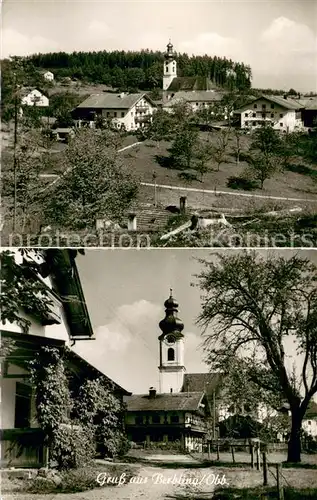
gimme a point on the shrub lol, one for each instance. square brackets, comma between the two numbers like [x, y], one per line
[79, 480]
[72, 447]
[41, 485]
[241, 183]
[188, 175]
[176, 220]
[76, 480]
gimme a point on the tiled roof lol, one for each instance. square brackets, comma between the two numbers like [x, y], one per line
[287, 103]
[181, 401]
[311, 103]
[150, 218]
[190, 83]
[195, 96]
[284, 103]
[25, 91]
[109, 100]
[206, 382]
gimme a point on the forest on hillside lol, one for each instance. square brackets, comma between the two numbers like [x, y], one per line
[140, 70]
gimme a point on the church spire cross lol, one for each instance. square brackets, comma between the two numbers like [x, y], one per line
[171, 323]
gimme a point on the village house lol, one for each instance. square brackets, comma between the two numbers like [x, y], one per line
[180, 412]
[189, 409]
[123, 111]
[34, 97]
[196, 91]
[196, 100]
[66, 322]
[309, 424]
[309, 112]
[278, 112]
[48, 76]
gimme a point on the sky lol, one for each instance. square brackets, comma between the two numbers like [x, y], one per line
[125, 292]
[277, 38]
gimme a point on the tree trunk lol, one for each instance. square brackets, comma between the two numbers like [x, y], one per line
[294, 443]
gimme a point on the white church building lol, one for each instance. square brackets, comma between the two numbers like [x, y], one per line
[198, 92]
[179, 413]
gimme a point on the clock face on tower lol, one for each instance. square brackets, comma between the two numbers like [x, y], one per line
[170, 339]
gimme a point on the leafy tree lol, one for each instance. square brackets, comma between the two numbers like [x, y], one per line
[266, 140]
[103, 66]
[94, 182]
[184, 146]
[237, 148]
[161, 128]
[62, 104]
[31, 117]
[32, 158]
[19, 291]
[205, 116]
[290, 148]
[204, 152]
[309, 147]
[241, 396]
[135, 78]
[262, 167]
[70, 445]
[154, 76]
[227, 105]
[96, 407]
[182, 113]
[220, 150]
[252, 309]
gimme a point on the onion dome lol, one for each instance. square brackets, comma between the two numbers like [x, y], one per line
[170, 51]
[171, 323]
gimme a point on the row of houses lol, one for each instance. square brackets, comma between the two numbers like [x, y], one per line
[133, 111]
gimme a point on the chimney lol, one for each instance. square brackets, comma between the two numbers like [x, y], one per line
[132, 225]
[285, 96]
[121, 95]
[182, 204]
[152, 393]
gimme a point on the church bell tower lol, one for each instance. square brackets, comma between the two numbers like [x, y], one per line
[170, 66]
[171, 343]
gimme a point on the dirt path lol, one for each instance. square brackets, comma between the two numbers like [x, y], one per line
[164, 483]
[231, 193]
[151, 483]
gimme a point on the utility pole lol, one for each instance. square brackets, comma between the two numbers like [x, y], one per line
[214, 415]
[15, 142]
[155, 189]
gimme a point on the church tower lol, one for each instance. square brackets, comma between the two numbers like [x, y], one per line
[170, 71]
[171, 341]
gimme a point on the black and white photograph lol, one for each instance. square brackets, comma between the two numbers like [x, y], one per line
[159, 374]
[155, 123]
